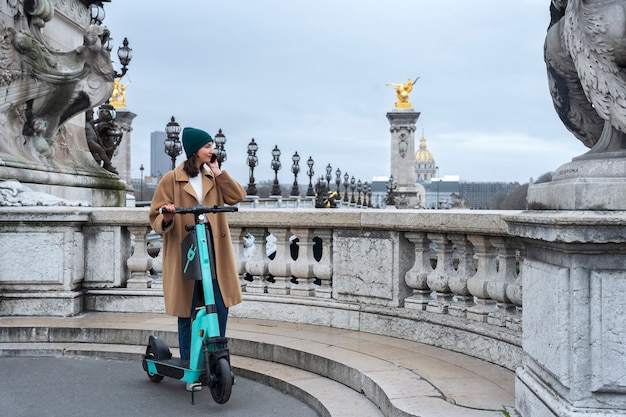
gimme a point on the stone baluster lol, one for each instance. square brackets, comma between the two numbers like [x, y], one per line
[323, 269]
[438, 279]
[514, 291]
[486, 271]
[140, 262]
[417, 277]
[279, 264]
[237, 239]
[464, 271]
[302, 268]
[157, 267]
[256, 266]
[505, 275]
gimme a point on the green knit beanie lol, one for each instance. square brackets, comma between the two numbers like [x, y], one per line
[194, 139]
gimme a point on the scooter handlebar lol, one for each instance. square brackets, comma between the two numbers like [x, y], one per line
[201, 209]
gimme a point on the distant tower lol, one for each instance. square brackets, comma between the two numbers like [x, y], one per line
[402, 162]
[425, 166]
[409, 194]
[160, 162]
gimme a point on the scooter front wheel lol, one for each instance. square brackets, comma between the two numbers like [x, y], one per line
[151, 354]
[223, 382]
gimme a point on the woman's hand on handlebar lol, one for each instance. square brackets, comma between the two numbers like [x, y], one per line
[168, 212]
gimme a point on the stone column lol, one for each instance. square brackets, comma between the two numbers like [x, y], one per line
[402, 130]
[573, 301]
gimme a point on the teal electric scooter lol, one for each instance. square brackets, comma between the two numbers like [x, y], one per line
[209, 361]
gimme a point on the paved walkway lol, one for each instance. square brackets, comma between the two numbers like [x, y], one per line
[79, 387]
[336, 372]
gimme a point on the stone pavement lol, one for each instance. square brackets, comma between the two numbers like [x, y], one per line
[336, 372]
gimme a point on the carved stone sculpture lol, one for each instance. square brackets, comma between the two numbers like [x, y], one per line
[43, 87]
[585, 55]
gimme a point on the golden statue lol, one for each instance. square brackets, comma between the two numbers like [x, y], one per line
[118, 96]
[402, 93]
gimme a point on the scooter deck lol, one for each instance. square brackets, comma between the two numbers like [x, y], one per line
[174, 368]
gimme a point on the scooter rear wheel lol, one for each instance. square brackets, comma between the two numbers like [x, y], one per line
[221, 389]
[151, 354]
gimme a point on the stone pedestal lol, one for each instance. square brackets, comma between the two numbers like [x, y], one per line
[402, 130]
[589, 182]
[573, 315]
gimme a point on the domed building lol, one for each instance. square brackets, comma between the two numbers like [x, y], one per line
[425, 167]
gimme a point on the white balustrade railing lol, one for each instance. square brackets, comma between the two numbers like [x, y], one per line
[340, 267]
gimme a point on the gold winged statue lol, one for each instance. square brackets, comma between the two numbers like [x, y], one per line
[402, 93]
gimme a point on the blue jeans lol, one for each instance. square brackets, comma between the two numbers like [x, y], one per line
[184, 323]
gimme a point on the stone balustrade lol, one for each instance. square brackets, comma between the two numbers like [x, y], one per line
[449, 272]
[448, 278]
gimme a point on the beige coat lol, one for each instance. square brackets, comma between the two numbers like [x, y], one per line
[174, 188]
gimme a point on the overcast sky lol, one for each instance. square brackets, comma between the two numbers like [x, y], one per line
[309, 76]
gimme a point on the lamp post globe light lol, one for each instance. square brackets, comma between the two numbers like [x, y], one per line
[220, 140]
[310, 173]
[276, 166]
[253, 161]
[295, 168]
[346, 177]
[359, 189]
[96, 13]
[338, 183]
[173, 146]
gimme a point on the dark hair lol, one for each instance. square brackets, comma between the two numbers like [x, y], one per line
[191, 167]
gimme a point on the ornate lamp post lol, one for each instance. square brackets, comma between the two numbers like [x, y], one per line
[338, 183]
[310, 173]
[352, 187]
[141, 169]
[124, 54]
[276, 166]
[329, 175]
[367, 194]
[346, 177]
[220, 140]
[359, 188]
[253, 161]
[295, 168]
[173, 146]
[438, 182]
[391, 189]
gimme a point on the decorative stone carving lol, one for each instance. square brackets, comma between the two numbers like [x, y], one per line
[585, 54]
[12, 193]
[47, 78]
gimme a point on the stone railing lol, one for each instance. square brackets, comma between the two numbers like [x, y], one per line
[448, 278]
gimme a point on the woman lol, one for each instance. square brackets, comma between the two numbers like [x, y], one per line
[197, 181]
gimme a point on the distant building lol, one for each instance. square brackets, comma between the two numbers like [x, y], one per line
[425, 166]
[449, 191]
[480, 195]
[160, 162]
[439, 192]
[379, 192]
